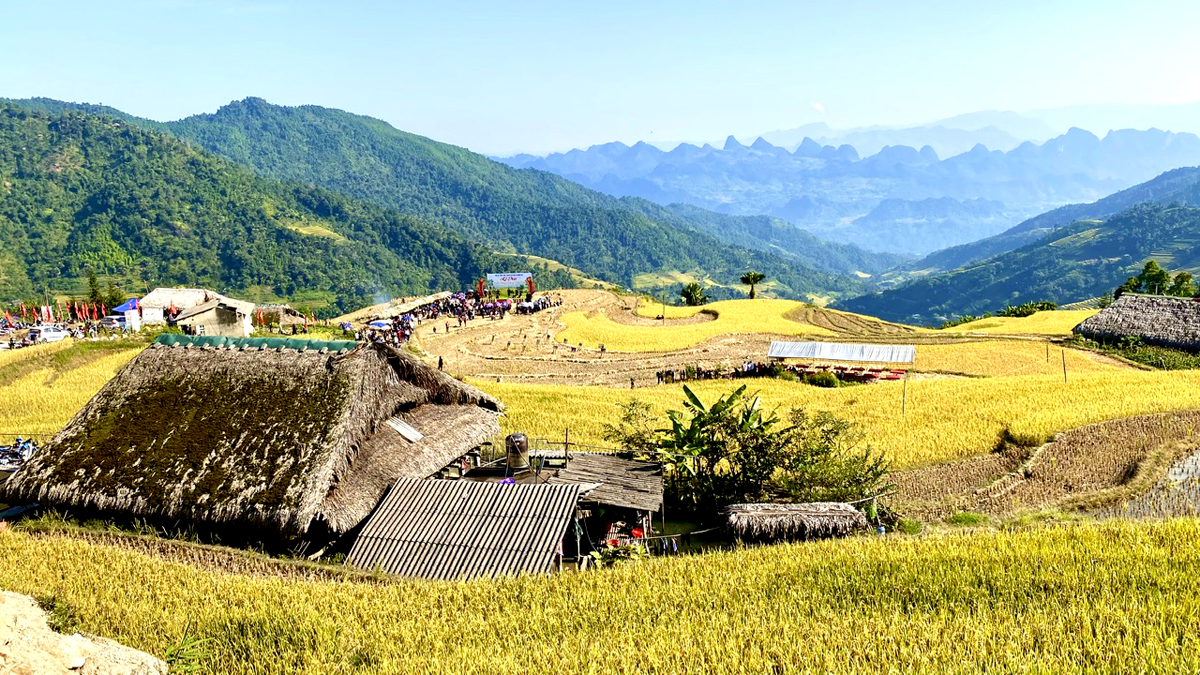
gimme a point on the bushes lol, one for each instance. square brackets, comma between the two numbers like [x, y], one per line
[734, 451]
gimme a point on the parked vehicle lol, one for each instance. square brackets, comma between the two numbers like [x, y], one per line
[113, 322]
[39, 334]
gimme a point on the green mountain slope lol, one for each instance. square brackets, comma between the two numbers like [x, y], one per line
[81, 192]
[1179, 185]
[530, 212]
[1076, 262]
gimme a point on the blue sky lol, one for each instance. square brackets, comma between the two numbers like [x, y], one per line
[539, 76]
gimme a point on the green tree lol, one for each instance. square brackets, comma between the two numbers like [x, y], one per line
[1131, 285]
[1154, 279]
[1183, 285]
[95, 296]
[752, 279]
[734, 451]
[693, 295]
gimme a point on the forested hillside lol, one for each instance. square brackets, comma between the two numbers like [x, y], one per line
[1076, 262]
[80, 192]
[1179, 185]
[522, 211]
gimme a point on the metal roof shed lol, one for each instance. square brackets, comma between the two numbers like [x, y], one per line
[839, 351]
[440, 529]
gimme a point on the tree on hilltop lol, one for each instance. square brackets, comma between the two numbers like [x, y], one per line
[752, 279]
[693, 295]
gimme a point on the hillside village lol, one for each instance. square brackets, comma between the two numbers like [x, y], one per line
[768, 338]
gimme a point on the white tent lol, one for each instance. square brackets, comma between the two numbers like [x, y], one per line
[838, 351]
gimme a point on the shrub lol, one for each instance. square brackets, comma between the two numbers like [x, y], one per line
[823, 379]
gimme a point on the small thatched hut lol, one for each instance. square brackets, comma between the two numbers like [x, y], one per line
[286, 438]
[767, 522]
[281, 315]
[1162, 320]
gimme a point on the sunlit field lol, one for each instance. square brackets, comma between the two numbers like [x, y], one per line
[945, 419]
[1112, 597]
[1058, 322]
[1007, 357]
[48, 384]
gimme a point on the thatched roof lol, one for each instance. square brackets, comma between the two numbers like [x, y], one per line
[268, 433]
[1156, 319]
[282, 314]
[794, 521]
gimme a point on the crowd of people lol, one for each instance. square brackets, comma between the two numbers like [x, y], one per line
[460, 308]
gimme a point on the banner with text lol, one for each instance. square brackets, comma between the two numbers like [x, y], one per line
[508, 280]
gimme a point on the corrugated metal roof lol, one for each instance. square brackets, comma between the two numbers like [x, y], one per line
[440, 529]
[622, 482]
[838, 351]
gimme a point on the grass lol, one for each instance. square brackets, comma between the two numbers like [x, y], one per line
[1058, 322]
[41, 388]
[1112, 597]
[945, 419]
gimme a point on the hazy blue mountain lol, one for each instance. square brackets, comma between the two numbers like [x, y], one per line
[834, 192]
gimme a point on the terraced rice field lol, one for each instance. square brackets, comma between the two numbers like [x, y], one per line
[1112, 597]
[731, 317]
[1003, 358]
[41, 388]
[1058, 322]
[946, 419]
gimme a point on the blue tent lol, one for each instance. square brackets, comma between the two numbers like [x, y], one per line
[129, 304]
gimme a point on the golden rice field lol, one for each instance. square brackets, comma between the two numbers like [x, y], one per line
[995, 358]
[946, 419]
[733, 316]
[41, 400]
[1058, 322]
[1116, 597]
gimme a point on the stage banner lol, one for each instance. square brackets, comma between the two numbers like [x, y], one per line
[508, 280]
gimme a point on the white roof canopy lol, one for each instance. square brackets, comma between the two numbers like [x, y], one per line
[838, 351]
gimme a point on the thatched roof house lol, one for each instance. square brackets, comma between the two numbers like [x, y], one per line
[294, 438]
[1157, 319]
[281, 314]
[794, 521]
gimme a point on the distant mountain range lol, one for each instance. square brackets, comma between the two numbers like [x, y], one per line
[901, 199]
[531, 212]
[1067, 255]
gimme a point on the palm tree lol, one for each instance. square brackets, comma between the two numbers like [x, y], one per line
[693, 295]
[752, 279]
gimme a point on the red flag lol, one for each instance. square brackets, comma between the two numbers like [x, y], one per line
[172, 305]
[22, 310]
[8, 317]
[103, 309]
[95, 312]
